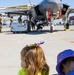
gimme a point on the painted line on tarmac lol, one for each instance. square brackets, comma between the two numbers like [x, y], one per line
[63, 38]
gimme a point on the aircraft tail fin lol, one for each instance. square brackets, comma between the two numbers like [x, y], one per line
[65, 8]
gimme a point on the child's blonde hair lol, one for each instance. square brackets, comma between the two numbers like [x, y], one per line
[35, 60]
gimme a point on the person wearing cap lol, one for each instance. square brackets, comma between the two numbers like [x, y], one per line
[33, 60]
[65, 62]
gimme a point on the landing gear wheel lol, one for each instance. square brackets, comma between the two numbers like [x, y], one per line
[51, 28]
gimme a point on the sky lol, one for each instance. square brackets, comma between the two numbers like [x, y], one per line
[8, 3]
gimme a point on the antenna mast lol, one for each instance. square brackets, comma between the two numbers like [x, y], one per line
[30, 2]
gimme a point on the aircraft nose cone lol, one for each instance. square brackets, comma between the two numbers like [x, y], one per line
[46, 6]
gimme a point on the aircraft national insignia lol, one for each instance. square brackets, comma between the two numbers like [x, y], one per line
[64, 9]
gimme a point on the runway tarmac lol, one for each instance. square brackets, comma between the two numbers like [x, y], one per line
[11, 45]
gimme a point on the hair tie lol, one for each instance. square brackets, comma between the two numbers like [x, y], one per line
[35, 44]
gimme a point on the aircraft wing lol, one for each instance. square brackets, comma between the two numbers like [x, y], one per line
[19, 12]
[71, 10]
[23, 12]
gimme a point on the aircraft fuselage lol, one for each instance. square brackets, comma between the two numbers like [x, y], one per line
[53, 5]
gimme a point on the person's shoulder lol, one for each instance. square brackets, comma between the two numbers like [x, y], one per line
[22, 71]
[44, 72]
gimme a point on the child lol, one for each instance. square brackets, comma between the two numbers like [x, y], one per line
[65, 62]
[33, 61]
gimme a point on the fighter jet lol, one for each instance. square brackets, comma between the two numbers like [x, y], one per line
[48, 10]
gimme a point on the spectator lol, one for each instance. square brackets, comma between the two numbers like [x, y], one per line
[33, 61]
[20, 20]
[65, 62]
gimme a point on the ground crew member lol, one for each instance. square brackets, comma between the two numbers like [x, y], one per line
[0, 25]
[67, 25]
